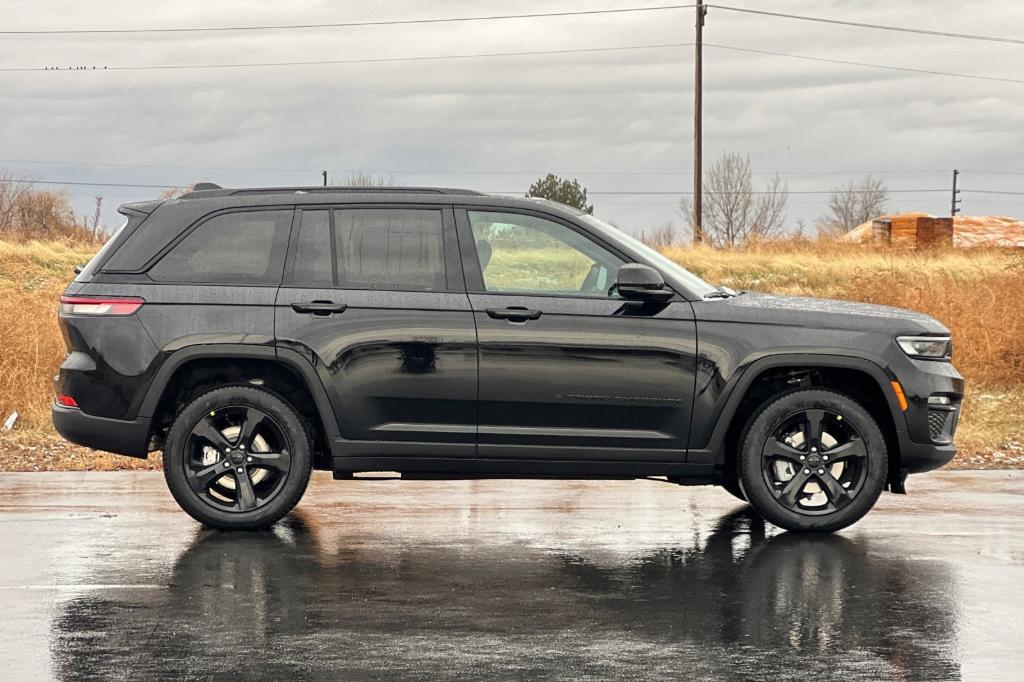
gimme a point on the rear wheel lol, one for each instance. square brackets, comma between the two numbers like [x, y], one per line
[813, 460]
[237, 458]
[731, 484]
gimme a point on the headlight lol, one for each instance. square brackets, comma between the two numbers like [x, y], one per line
[934, 347]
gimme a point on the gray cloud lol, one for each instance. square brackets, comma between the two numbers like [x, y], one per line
[591, 115]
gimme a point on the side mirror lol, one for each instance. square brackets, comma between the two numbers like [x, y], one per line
[639, 282]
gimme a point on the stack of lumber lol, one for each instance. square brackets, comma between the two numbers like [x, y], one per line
[923, 230]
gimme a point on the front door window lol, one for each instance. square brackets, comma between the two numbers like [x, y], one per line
[528, 255]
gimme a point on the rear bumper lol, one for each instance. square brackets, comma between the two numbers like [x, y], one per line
[118, 436]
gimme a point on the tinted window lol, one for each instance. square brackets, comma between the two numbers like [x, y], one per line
[525, 254]
[390, 249]
[313, 263]
[232, 248]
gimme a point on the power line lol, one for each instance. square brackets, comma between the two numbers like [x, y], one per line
[993, 172]
[427, 171]
[994, 191]
[595, 193]
[864, 64]
[346, 24]
[620, 48]
[369, 60]
[50, 162]
[73, 183]
[879, 27]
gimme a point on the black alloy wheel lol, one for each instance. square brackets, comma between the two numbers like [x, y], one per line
[237, 457]
[813, 460]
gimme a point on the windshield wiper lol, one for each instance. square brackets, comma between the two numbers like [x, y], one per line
[723, 292]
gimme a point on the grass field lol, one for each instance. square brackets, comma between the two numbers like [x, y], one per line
[978, 293]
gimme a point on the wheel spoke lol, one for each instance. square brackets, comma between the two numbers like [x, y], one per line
[209, 432]
[280, 461]
[791, 492]
[853, 448]
[834, 490]
[246, 495]
[812, 427]
[776, 447]
[251, 421]
[202, 479]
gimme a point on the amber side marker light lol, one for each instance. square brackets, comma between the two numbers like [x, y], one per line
[898, 390]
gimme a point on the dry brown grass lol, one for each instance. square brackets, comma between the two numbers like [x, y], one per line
[32, 276]
[979, 294]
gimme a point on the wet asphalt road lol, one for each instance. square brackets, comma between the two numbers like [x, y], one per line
[101, 576]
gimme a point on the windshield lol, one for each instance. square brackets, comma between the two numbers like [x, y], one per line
[669, 267]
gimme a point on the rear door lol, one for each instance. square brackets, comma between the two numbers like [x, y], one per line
[374, 297]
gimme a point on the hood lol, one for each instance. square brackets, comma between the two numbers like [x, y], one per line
[822, 313]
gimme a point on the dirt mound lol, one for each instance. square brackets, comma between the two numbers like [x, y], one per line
[967, 230]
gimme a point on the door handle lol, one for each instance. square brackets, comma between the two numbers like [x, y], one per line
[513, 314]
[319, 308]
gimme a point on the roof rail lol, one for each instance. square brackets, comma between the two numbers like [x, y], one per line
[318, 189]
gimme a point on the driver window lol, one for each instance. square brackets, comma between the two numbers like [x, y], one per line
[524, 254]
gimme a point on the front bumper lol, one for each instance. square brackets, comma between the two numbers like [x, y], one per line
[926, 443]
[118, 436]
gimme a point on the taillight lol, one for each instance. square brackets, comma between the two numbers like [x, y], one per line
[65, 400]
[108, 305]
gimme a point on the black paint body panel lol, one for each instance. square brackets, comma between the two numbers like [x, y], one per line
[428, 381]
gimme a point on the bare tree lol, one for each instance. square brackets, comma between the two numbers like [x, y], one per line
[661, 236]
[97, 213]
[856, 202]
[361, 179]
[175, 192]
[733, 211]
[12, 195]
[27, 213]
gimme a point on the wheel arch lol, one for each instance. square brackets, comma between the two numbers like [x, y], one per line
[861, 378]
[194, 369]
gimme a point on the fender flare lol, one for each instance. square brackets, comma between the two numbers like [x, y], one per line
[290, 358]
[728, 403]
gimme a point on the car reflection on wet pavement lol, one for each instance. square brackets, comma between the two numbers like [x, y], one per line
[102, 576]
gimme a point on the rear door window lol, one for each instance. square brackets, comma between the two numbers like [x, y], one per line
[241, 247]
[395, 249]
[314, 264]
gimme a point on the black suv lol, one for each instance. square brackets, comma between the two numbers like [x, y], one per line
[253, 335]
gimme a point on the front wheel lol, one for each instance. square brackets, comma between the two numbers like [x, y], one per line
[237, 458]
[813, 460]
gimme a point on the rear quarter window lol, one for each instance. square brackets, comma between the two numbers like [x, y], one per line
[240, 247]
[89, 270]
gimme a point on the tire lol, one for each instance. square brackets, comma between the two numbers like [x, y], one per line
[237, 458]
[813, 479]
[731, 484]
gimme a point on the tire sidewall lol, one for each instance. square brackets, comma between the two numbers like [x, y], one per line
[294, 431]
[762, 498]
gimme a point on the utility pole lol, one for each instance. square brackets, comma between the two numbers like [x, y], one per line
[953, 208]
[698, 230]
[324, 173]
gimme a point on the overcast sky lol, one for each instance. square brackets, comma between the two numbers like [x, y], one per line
[617, 121]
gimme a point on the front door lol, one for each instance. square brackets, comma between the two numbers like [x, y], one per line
[374, 297]
[568, 370]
